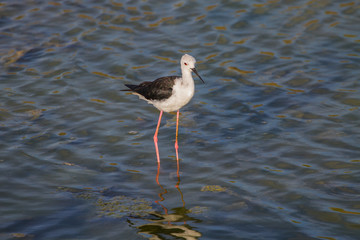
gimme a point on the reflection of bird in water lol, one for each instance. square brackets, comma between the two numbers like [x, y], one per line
[169, 94]
[164, 225]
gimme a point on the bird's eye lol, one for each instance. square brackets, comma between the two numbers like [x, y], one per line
[185, 64]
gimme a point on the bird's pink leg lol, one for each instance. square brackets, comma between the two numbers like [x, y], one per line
[156, 139]
[177, 131]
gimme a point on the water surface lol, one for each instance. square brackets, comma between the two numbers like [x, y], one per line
[268, 147]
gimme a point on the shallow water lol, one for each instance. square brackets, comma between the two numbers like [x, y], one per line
[269, 146]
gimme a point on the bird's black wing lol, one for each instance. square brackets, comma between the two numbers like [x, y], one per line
[159, 89]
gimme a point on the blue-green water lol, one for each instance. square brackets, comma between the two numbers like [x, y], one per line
[269, 146]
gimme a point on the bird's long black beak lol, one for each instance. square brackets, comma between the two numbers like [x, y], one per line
[194, 70]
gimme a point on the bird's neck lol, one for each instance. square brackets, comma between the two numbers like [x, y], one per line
[187, 77]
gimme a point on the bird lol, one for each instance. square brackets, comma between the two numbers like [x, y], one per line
[169, 94]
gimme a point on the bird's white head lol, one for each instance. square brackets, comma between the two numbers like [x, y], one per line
[187, 61]
[188, 64]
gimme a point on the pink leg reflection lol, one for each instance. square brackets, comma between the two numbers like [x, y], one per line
[164, 191]
[178, 181]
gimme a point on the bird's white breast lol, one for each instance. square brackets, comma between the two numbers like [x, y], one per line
[181, 95]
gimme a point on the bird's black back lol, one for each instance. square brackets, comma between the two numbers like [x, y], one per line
[159, 89]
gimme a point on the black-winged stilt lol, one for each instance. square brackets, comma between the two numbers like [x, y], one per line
[169, 94]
